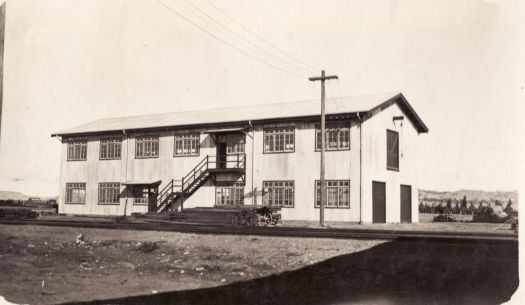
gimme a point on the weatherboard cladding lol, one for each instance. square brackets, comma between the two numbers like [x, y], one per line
[300, 109]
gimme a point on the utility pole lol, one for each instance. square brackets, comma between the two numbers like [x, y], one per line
[322, 78]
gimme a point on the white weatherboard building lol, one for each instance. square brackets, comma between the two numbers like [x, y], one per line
[249, 156]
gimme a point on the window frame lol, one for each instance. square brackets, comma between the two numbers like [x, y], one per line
[266, 132]
[237, 186]
[317, 206]
[235, 147]
[265, 200]
[144, 189]
[77, 144]
[114, 141]
[155, 138]
[74, 186]
[109, 186]
[329, 127]
[190, 139]
[396, 144]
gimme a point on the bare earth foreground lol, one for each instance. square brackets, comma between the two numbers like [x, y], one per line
[45, 265]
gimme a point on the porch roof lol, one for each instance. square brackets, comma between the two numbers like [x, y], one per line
[142, 182]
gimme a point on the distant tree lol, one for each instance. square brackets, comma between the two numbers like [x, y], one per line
[508, 208]
[421, 207]
[463, 205]
[455, 208]
[448, 207]
[471, 209]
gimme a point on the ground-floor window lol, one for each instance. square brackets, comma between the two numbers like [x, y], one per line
[230, 195]
[141, 195]
[337, 193]
[108, 192]
[75, 192]
[278, 193]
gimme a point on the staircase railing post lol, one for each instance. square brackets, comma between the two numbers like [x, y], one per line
[182, 195]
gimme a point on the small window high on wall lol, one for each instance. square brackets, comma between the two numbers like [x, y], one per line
[392, 150]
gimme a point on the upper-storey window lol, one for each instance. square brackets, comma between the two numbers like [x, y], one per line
[187, 144]
[280, 139]
[110, 148]
[392, 150]
[337, 137]
[147, 147]
[77, 150]
[235, 144]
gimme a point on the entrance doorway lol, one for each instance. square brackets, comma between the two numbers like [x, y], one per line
[221, 154]
[378, 202]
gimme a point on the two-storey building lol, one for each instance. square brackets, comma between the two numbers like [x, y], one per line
[251, 156]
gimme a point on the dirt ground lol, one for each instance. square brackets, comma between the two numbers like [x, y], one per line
[46, 265]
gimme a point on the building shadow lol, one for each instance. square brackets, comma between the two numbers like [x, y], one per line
[404, 271]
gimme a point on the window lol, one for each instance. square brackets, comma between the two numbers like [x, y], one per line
[147, 147]
[141, 195]
[110, 148]
[337, 193]
[230, 195]
[75, 193]
[392, 150]
[187, 144]
[278, 193]
[336, 138]
[77, 150]
[280, 139]
[235, 144]
[108, 193]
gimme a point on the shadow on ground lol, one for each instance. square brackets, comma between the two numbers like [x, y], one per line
[398, 272]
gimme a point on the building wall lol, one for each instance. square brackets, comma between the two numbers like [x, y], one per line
[374, 132]
[302, 166]
[165, 167]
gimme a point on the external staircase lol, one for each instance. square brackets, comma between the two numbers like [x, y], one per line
[173, 195]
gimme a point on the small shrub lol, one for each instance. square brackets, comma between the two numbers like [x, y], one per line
[262, 216]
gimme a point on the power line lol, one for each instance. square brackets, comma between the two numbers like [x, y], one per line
[260, 38]
[246, 40]
[224, 41]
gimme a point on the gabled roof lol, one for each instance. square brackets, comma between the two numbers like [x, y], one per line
[361, 105]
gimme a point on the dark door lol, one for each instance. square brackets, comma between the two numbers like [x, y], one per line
[152, 199]
[406, 203]
[378, 202]
[221, 154]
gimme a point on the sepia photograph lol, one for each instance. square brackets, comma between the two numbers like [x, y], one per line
[202, 152]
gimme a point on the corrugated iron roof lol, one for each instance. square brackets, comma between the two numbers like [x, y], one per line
[244, 113]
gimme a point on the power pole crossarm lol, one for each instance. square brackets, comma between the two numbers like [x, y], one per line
[322, 78]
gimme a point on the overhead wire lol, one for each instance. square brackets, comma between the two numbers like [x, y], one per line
[254, 34]
[246, 40]
[215, 36]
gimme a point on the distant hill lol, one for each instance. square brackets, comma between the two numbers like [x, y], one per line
[472, 195]
[5, 195]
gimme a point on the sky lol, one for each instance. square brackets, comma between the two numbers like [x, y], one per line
[459, 63]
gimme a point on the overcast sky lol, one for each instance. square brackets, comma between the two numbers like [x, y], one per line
[459, 63]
